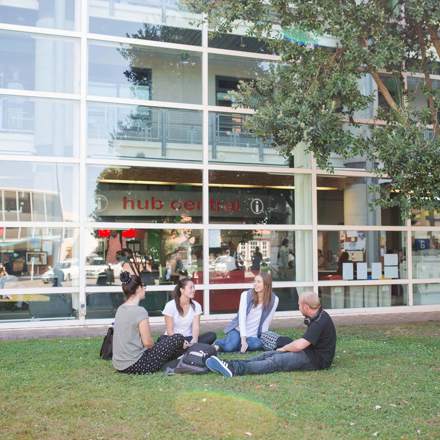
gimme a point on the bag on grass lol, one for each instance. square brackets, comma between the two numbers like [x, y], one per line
[272, 341]
[106, 351]
[193, 360]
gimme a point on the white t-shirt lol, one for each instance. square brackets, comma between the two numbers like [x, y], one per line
[182, 324]
[248, 324]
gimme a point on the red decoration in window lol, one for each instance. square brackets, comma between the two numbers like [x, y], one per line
[103, 233]
[129, 233]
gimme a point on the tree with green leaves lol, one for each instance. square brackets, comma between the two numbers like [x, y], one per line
[312, 96]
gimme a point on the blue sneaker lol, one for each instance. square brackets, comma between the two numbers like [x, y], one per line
[218, 366]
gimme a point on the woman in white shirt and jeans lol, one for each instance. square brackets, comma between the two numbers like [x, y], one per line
[182, 314]
[255, 313]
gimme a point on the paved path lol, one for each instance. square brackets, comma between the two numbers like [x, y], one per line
[216, 325]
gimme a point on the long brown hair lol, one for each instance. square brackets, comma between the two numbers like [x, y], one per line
[267, 289]
[181, 284]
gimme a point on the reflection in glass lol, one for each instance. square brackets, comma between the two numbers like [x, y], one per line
[138, 194]
[144, 132]
[238, 41]
[38, 192]
[426, 218]
[39, 257]
[43, 127]
[426, 254]
[145, 73]
[166, 255]
[158, 20]
[251, 197]
[426, 294]
[59, 14]
[23, 66]
[361, 255]
[225, 73]
[230, 141]
[340, 297]
[38, 306]
[237, 256]
[344, 200]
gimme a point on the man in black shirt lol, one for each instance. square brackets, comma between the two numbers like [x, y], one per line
[314, 351]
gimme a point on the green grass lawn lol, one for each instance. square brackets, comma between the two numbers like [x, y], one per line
[384, 383]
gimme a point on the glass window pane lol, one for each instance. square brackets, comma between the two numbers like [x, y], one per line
[126, 131]
[344, 200]
[38, 192]
[137, 194]
[167, 254]
[237, 256]
[340, 297]
[251, 197]
[426, 254]
[43, 127]
[238, 41]
[39, 257]
[426, 218]
[361, 255]
[158, 20]
[35, 62]
[104, 304]
[27, 306]
[145, 73]
[231, 142]
[426, 294]
[59, 14]
[225, 72]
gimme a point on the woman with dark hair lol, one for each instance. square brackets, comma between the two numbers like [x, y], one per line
[255, 313]
[182, 314]
[134, 351]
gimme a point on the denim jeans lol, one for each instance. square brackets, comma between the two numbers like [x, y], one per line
[272, 361]
[232, 342]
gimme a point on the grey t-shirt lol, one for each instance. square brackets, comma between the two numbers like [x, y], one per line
[127, 343]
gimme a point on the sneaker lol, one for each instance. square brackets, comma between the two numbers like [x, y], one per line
[218, 366]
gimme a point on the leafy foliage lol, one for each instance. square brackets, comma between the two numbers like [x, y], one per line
[312, 96]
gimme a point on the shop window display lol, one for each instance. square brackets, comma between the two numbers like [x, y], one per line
[426, 254]
[361, 255]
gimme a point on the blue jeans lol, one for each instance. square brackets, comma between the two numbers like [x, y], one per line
[272, 361]
[232, 342]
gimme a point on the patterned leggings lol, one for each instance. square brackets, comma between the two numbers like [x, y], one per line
[165, 349]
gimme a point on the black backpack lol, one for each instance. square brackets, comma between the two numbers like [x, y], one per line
[193, 360]
[106, 351]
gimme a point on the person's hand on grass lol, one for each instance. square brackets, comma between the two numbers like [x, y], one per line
[244, 345]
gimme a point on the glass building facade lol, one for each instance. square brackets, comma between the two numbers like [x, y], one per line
[117, 131]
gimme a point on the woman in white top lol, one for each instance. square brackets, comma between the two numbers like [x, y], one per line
[255, 313]
[182, 314]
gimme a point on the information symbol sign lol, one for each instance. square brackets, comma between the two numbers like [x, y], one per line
[257, 206]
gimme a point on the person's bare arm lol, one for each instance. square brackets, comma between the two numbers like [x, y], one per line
[195, 329]
[145, 332]
[297, 345]
[169, 323]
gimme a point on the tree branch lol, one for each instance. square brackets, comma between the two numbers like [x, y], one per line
[428, 80]
[383, 89]
[434, 39]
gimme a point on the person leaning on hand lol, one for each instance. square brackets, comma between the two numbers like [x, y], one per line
[315, 350]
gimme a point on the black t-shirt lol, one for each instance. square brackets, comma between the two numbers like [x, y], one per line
[321, 334]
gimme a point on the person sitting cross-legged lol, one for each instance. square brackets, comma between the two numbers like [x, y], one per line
[314, 351]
